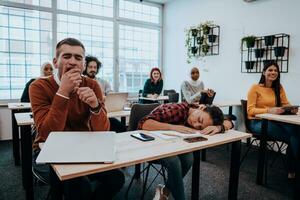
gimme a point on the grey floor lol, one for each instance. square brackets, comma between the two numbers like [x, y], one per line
[213, 179]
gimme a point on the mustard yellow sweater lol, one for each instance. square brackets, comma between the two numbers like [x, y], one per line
[261, 98]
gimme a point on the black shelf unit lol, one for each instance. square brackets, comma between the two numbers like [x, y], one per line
[254, 58]
[213, 45]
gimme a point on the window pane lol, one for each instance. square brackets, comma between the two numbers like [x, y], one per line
[139, 11]
[138, 51]
[21, 48]
[95, 34]
[45, 3]
[94, 7]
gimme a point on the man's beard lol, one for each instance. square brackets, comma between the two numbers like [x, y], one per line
[91, 75]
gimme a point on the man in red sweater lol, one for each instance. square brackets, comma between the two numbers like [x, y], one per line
[68, 101]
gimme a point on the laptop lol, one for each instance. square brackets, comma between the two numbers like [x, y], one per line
[115, 101]
[78, 147]
[205, 99]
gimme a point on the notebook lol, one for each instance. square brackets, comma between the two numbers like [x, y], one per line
[205, 99]
[115, 101]
[78, 147]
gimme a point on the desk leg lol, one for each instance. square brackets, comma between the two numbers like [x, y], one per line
[262, 152]
[15, 138]
[203, 154]
[196, 176]
[234, 170]
[27, 161]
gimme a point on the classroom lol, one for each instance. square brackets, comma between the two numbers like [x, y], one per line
[149, 99]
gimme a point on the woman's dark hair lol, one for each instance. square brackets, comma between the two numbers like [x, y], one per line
[215, 113]
[275, 84]
[155, 69]
[89, 59]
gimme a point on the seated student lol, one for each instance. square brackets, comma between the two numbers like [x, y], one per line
[46, 70]
[153, 86]
[185, 118]
[268, 96]
[92, 66]
[191, 89]
[68, 101]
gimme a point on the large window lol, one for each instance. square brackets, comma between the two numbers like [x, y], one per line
[124, 34]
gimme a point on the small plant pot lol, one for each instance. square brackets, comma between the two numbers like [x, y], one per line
[250, 43]
[194, 32]
[212, 38]
[205, 49]
[249, 64]
[279, 51]
[269, 40]
[268, 61]
[200, 40]
[259, 53]
[194, 50]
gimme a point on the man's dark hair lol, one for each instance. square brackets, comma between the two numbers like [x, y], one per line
[216, 114]
[89, 59]
[68, 41]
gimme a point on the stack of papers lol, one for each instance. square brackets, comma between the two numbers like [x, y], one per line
[166, 135]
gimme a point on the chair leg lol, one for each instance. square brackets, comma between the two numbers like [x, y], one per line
[245, 155]
[248, 142]
[145, 181]
[129, 186]
[137, 171]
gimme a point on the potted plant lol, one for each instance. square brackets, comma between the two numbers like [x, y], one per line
[269, 40]
[249, 40]
[259, 53]
[249, 64]
[194, 32]
[212, 38]
[194, 50]
[205, 48]
[206, 27]
[279, 51]
[200, 40]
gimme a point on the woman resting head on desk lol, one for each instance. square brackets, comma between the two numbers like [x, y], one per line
[185, 118]
[268, 96]
[153, 86]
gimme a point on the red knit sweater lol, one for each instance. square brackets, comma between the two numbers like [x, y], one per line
[54, 113]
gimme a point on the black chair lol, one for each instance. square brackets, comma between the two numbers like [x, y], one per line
[166, 92]
[272, 142]
[173, 96]
[138, 111]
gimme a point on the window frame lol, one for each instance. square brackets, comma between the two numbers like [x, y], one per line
[115, 19]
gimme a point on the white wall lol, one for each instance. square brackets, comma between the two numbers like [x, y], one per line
[236, 19]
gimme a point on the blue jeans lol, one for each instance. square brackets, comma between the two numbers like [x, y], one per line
[287, 133]
[177, 167]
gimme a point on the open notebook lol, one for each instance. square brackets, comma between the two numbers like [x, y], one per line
[166, 135]
[78, 147]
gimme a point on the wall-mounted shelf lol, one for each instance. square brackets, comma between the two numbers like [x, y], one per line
[266, 48]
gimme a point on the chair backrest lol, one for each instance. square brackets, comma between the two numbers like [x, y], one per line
[140, 92]
[166, 92]
[138, 111]
[245, 115]
[173, 97]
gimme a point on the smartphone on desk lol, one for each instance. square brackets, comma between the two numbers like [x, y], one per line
[143, 137]
[195, 139]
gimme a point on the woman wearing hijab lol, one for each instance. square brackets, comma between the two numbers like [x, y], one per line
[46, 70]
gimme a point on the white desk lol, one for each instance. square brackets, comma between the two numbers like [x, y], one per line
[122, 113]
[17, 108]
[24, 121]
[227, 103]
[159, 98]
[131, 151]
[290, 119]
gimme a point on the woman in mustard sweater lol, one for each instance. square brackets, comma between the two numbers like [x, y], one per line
[268, 96]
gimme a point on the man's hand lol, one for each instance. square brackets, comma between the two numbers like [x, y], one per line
[211, 130]
[88, 96]
[69, 81]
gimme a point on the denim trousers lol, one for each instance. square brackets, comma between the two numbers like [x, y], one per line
[177, 167]
[284, 132]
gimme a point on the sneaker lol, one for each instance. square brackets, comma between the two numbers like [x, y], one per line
[161, 193]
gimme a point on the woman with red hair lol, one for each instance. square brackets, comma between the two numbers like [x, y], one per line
[153, 86]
